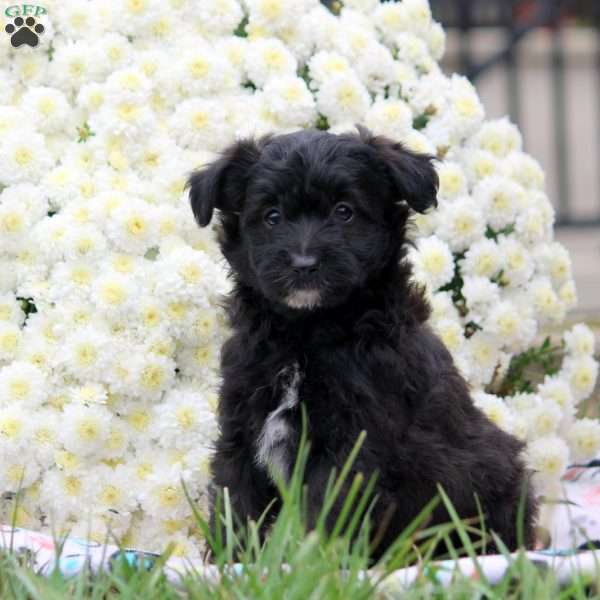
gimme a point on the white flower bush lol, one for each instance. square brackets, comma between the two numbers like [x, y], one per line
[110, 325]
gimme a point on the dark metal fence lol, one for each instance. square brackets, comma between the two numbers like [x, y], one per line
[517, 19]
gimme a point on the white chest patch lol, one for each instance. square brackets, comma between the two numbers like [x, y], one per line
[304, 299]
[273, 450]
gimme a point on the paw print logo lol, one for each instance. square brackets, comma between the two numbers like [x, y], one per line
[24, 32]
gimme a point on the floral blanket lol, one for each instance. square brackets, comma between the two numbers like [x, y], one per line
[575, 531]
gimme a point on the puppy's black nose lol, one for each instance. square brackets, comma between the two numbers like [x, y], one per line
[304, 263]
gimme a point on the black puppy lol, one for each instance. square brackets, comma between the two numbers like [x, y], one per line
[324, 313]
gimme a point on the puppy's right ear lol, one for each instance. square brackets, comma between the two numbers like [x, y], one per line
[222, 183]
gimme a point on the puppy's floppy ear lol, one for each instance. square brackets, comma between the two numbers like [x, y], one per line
[412, 175]
[222, 183]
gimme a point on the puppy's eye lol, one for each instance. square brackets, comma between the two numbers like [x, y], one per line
[343, 212]
[272, 217]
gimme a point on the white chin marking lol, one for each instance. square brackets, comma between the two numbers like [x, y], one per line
[304, 299]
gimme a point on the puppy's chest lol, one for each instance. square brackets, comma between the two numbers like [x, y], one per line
[277, 441]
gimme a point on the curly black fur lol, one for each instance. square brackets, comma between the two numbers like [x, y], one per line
[323, 301]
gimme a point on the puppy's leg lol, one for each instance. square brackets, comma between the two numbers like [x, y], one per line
[504, 515]
[249, 489]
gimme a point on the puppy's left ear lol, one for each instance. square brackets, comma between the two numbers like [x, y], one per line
[222, 184]
[412, 175]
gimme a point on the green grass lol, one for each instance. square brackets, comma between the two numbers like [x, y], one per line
[297, 563]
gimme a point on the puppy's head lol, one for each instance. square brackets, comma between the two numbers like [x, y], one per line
[308, 217]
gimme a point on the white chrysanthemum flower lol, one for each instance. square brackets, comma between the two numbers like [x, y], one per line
[465, 107]
[117, 442]
[482, 352]
[453, 182]
[91, 97]
[553, 259]
[11, 120]
[73, 65]
[460, 223]
[375, 67]
[432, 261]
[581, 373]
[217, 17]
[412, 49]
[479, 164]
[133, 227]
[274, 15]
[482, 259]
[123, 116]
[64, 493]
[22, 383]
[204, 326]
[10, 309]
[15, 223]
[343, 98]
[557, 390]
[83, 242]
[17, 473]
[190, 275]
[149, 375]
[425, 223]
[512, 324]
[495, 409]
[583, 438]
[23, 157]
[86, 353]
[111, 489]
[580, 340]
[199, 123]
[38, 351]
[84, 429]
[451, 333]
[44, 436]
[89, 393]
[498, 136]
[114, 293]
[480, 294]
[544, 419]
[290, 102]
[71, 280]
[436, 41]
[518, 265]
[568, 294]
[324, 65]
[198, 360]
[389, 117]
[10, 341]
[531, 228]
[524, 169]
[538, 201]
[498, 198]
[26, 68]
[417, 142]
[162, 493]
[31, 197]
[202, 72]
[16, 421]
[442, 306]
[184, 419]
[546, 303]
[391, 18]
[548, 458]
[267, 59]
[47, 109]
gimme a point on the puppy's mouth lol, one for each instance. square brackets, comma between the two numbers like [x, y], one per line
[306, 299]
